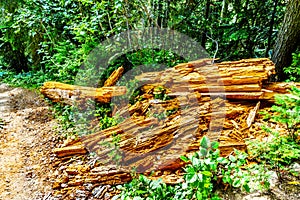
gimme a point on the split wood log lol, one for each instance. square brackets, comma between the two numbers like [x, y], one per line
[148, 141]
[242, 79]
[109, 174]
[104, 175]
[281, 88]
[150, 144]
[70, 150]
[114, 77]
[239, 79]
[60, 92]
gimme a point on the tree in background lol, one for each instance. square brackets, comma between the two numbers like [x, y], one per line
[12, 51]
[288, 39]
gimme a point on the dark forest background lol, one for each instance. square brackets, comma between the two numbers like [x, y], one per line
[44, 40]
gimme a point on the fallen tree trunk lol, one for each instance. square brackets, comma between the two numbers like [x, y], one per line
[244, 79]
[60, 92]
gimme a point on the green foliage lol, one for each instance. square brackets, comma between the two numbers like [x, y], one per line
[78, 119]
[206, 165]
[287, 111]
[160, 93]
[278, 153]
[65, 115]
[233, 174]
[144, 188]
[293, 71]
[103, 113]
[282, 149]
[29, 80]
[202, 172]
[115, 153]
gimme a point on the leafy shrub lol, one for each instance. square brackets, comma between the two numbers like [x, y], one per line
[29, 80]
[144, 188]
[64, 114]
[202, 172]
[293, 71]
[277, 153]
[283, 148]
[83, 119]
[287, 111]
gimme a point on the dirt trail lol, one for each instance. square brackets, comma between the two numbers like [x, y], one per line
[25, 143]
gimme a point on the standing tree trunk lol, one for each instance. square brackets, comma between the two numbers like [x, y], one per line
[271, 28]
[288, 39]
[207, 12]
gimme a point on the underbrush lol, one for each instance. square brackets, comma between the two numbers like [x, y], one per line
[29, 80]
[293, 71]
[76, 120]
[204, 171]
[283, 148]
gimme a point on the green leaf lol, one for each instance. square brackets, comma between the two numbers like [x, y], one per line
[200, 176]
[193, 178]
[236, 183]
[207, 173]
[204, 142]
[215, 145]
[246, 187]
[155, 184]
[199, 195]
[195, 161]
[203, 152]
[141, 192]
[190, 170]
[232, 158]
[222, 160]
[185, 159]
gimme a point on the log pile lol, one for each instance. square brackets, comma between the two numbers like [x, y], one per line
[156, 131]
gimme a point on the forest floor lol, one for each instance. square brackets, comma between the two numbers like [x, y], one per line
[27, 165]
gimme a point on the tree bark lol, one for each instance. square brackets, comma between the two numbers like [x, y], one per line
[288, 39]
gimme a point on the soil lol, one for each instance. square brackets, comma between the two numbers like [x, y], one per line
[26, 140]
[28, 169]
